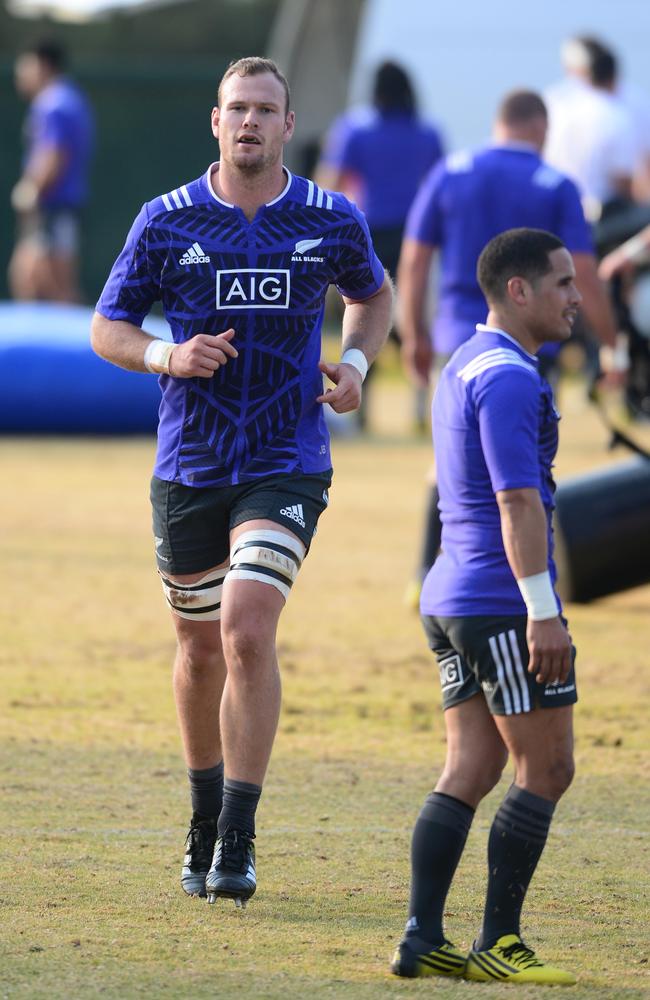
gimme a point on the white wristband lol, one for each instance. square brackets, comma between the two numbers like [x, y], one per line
[157, 355]
[537, 592]
[353, 356]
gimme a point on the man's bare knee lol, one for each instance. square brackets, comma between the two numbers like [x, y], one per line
[470, 778]
[244, 644]
[199, 649]
[560, 776]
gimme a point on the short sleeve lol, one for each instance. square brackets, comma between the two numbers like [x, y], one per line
[132, 286]
[573, 228]
[507, 403]
[342, 132]
[53, 129]
[361, 273]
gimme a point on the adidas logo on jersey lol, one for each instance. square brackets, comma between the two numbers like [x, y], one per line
[301, 248]
[296, 514]
[194, 255]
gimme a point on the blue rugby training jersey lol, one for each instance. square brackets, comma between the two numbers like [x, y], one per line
[390, 153]
[495, 427]
[467, 200]
[212, 269]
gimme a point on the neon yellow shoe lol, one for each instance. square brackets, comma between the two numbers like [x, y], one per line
[511, 961]
[447, 960]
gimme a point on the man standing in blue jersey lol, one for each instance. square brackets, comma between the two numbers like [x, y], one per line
[492, 617]
[241, 260]
[463, 203]
[53, 186]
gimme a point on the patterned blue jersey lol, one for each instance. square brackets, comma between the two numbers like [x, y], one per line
[495, 427]
[212, 269]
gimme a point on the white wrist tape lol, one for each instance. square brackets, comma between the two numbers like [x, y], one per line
[353, 356]
[537, 592]
[157, 355]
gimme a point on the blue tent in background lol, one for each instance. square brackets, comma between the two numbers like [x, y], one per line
[51, 381]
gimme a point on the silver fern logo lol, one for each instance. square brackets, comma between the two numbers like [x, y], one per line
[301, 249]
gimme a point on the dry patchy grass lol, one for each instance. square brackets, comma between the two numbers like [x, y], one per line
[92, 779]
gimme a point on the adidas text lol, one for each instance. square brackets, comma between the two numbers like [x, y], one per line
[194, 255]
[296, 514]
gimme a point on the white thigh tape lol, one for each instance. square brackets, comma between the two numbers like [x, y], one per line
[268, 557]
[198, 601]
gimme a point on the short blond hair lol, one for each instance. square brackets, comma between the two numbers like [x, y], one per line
[253, 66]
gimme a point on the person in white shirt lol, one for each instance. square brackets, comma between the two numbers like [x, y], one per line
[592, 133]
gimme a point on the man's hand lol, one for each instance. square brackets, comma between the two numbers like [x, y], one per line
[417, 358]
[347, 394]
[203, 355]
[549, 647]
[24, 196]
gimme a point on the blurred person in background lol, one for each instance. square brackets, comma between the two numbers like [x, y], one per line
[378, 156]
[593, 135]
[461, 205]
[53, 186]
[241, 259]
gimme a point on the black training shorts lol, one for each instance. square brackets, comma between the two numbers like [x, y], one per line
[192, 525]
[489, 654]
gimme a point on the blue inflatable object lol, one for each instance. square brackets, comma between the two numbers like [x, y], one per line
[51, 381]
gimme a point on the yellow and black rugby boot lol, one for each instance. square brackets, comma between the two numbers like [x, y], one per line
[412, 960]
[511, 961]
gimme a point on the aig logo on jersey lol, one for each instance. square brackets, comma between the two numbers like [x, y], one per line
[253, 288]
[451, 673]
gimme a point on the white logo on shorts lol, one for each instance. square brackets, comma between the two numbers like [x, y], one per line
[159, 542]
[296, 514]
[451, 673]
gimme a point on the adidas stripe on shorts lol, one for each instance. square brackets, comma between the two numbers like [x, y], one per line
[489, 654]
[192, 524]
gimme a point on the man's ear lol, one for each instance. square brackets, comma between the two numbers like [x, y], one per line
[214, 122]
[289, 125]
[518, 290]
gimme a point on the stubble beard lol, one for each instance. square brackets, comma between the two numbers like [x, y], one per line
[254, 166]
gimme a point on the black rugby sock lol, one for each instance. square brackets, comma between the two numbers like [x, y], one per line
[239, 804]
[438, 840]
[515, 845]
[206, 788]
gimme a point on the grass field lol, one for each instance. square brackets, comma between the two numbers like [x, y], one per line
[94, 796]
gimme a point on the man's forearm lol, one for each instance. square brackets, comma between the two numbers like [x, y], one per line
[412, 283]
[524, 531]
[523, 528]
[366, 323]
[596, 305]
[119, 342]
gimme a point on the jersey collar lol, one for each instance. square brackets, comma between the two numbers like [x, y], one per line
[482, 328]
[517, 146]
[227, 204]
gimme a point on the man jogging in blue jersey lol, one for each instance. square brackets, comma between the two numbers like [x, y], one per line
[241, 259]
[492, 617]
